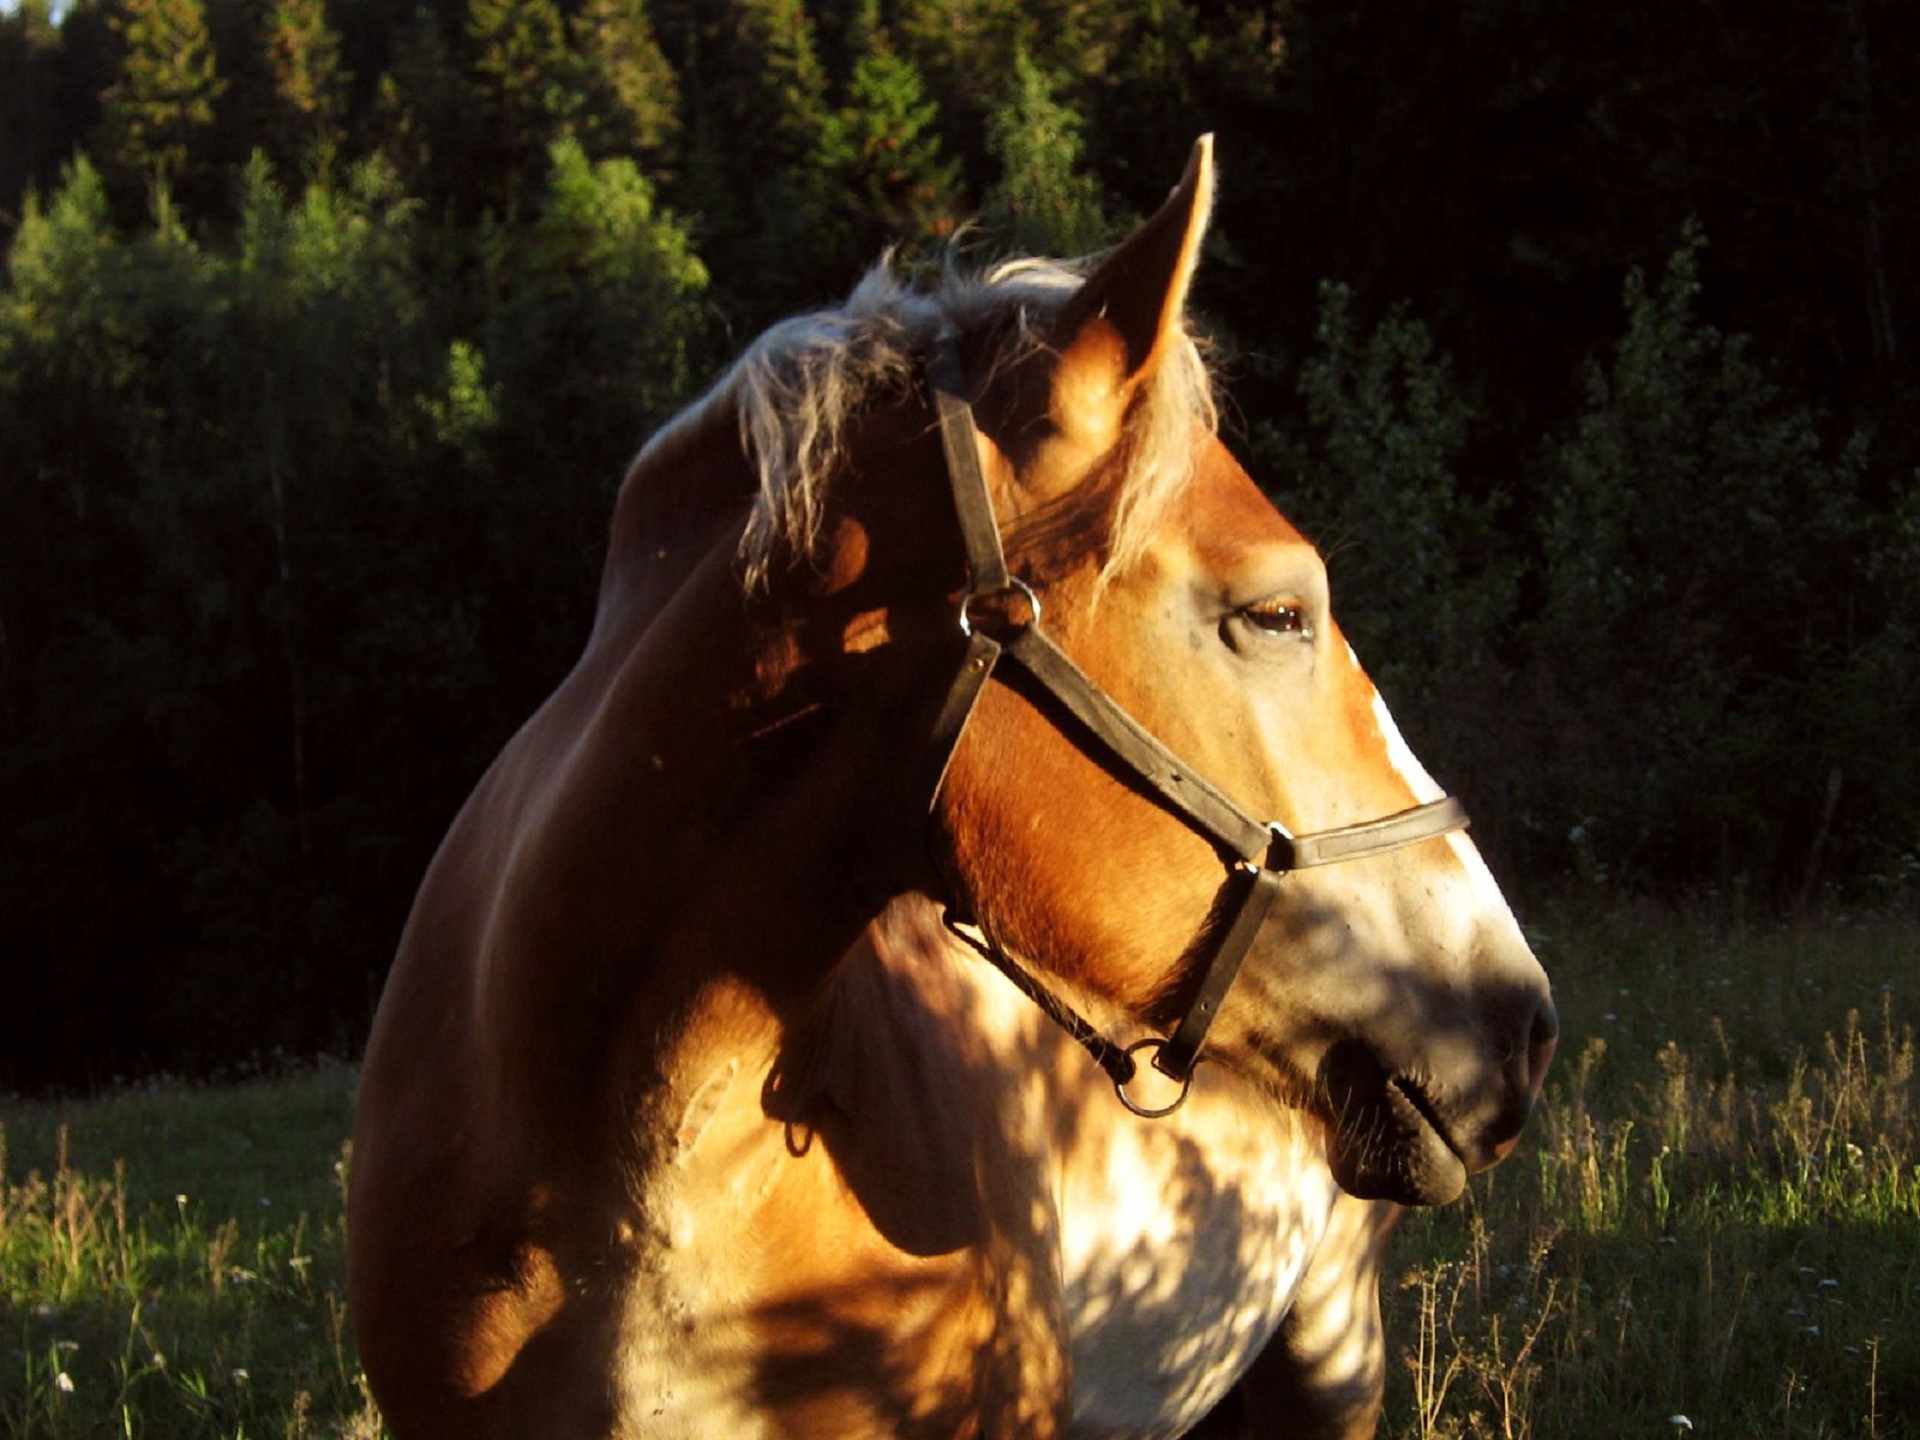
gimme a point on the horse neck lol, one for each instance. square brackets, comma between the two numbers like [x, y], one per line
[688, 815]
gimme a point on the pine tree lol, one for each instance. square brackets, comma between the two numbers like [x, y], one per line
[1043, 203]
[523, 74]
[29, 141]
[757, 108]
[162, 100]
[309, 85]
[881, 157]
[423, 115]
[770, 87]
[632, 97]
[967, 49]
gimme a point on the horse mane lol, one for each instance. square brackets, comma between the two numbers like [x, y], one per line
[797, 388]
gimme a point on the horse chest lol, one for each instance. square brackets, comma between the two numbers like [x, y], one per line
[1183, 1243]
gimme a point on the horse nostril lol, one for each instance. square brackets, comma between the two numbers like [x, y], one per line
[1541, 1043]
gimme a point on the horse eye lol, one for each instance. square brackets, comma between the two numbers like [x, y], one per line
[1278, 617]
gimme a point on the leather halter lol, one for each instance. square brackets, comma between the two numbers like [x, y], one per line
[1258, 854]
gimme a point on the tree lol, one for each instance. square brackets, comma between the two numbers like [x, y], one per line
[522, 77]
[309, 85]
[29, 54]
[161, 101]
[756, 97]
[423, 116]
[1043, 203]
[632, 96]
[599, 333]
[1701, 576]
[881, 158]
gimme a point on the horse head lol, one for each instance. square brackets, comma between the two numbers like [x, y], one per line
[1393, 994]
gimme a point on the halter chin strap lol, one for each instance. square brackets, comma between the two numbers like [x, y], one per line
[1259, 854]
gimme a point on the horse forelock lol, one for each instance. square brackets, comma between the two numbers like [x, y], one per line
[797, 389]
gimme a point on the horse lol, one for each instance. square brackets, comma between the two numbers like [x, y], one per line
[965, 952]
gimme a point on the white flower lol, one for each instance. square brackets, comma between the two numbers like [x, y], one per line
[63, 1382]
[1679, 1422]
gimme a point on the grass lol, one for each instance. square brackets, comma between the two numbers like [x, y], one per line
[172, 1263]
[1713, 1228]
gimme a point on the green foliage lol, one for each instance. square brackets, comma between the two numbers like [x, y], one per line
[881, 160]
[757, 106]
[29, 95]
[422, 117]
[305, 460]
[598, 337]
[1043, 203]
[163, 97]
[633, 100]
[1699, 574]
[523, 85]
[309, 84]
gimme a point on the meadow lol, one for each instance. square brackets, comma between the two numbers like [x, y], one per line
[1713, 1227]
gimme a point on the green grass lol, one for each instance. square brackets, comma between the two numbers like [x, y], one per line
[172, 1264]
[1715, 1215]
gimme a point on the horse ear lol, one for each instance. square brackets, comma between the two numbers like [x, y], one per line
[1139, 292]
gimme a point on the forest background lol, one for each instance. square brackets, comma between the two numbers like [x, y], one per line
[1581, 334]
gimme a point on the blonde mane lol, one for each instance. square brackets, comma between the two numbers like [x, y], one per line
[798, 387]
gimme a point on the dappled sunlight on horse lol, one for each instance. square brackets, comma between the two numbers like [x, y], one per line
[966, 951]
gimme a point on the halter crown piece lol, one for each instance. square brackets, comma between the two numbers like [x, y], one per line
[1258, 854]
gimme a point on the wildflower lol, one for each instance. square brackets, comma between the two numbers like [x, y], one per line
[63, 1382]
[240, 1375]
[1679, 1422]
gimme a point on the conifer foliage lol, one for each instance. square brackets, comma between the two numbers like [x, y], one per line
[1579, 335]
[162, 100]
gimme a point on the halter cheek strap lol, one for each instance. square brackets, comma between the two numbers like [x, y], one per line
[1258, 854]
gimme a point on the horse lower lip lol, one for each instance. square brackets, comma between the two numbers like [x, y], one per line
[1416, 1100]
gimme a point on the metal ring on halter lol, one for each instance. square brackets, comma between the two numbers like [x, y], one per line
[1149, 1112]
[1014, 582]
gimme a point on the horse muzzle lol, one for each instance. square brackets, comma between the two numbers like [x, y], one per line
[1412, 1128]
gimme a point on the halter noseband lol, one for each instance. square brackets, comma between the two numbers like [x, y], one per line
[1258, 854]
